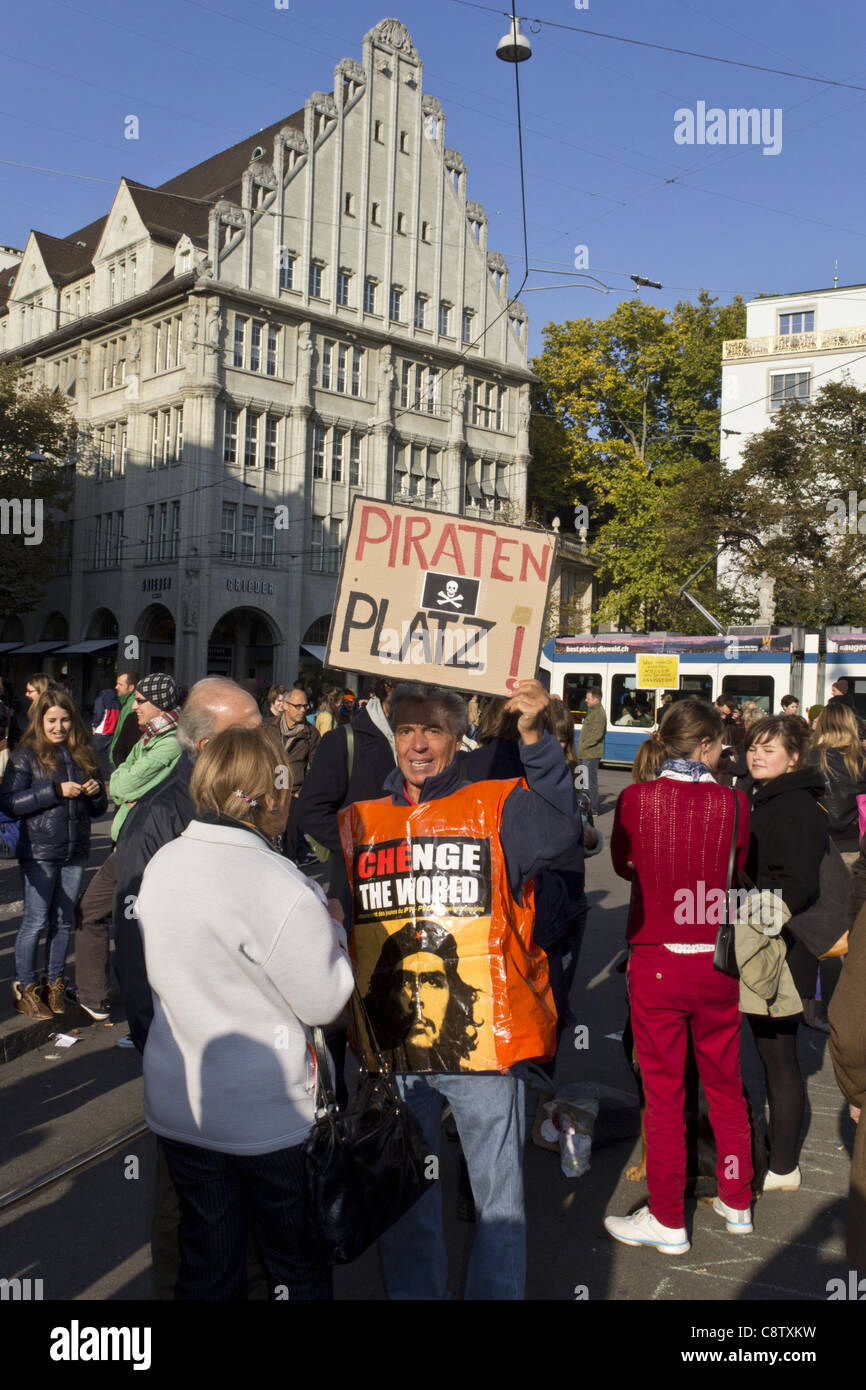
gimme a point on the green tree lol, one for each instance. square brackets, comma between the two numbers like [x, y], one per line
[800, 491]
[626, 421]
[32, 497]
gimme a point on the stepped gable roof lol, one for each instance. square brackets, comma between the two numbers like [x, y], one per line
[220, 175]
[168, 216]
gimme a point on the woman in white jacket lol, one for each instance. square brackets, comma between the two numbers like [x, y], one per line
[242, 957]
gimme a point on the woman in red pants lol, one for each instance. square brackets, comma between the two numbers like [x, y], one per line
[672, 837]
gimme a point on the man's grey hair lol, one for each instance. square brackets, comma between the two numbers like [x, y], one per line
[197, 716]
[416, 693]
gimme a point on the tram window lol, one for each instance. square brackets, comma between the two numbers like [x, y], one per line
[574, 692]
[757, 689]
[691, 688]
[857, 688]
[630, 707]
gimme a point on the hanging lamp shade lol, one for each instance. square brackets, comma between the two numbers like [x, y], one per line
[514, 47]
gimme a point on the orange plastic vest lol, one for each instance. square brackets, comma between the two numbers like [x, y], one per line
[443, 953]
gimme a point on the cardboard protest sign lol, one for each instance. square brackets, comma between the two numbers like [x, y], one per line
[444, 955]
[657, 672]
[433, 596]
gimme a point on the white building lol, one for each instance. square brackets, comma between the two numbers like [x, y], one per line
[311, 314]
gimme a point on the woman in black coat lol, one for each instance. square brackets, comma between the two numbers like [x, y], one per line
[789, 836]
[51, 785]
[838, 755]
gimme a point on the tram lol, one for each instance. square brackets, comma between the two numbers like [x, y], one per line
[753, 665]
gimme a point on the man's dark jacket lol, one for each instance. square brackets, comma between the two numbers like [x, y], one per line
[160, 816]
[328, 788]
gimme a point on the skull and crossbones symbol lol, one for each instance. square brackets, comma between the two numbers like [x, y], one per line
[450, 594]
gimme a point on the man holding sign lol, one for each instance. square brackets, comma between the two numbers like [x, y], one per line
[441, 872]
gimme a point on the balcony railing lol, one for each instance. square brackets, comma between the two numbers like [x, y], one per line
[740, 349]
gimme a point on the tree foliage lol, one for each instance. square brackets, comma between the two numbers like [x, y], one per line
[801, 491]
[626, 421]
[30, 418]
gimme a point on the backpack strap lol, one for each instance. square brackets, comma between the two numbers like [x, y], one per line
[350, 750]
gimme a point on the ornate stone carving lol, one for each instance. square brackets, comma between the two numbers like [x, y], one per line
[304, 372]
[293, 139]
[431, 106]
[324, 102]
[475, 212]
[192, 328]
[454, 160]
[229, 214]
[387, 383]
[458, 395]
[189, 600]
[133, 349]
[390, 33]
[263, 175]
[214, 327]
[517, 311]
[496, 261]
[351, 71]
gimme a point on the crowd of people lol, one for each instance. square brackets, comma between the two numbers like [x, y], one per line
[429, 815]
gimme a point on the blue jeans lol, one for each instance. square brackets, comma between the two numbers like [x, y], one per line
[488, 1110]
[591, 765]
[51, 892]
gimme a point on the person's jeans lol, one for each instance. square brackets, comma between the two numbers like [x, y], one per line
[50, 898]
[488, 1110]
[591, 765]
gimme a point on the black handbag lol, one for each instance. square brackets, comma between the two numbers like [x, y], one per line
[821, 926]
[366, 1165]
[725, 952]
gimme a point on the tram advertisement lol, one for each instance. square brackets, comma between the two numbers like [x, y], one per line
[436, 597]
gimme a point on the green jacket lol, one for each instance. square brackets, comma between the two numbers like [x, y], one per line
[147, 765]
[125, 711]
[592, 731]
[766, 983]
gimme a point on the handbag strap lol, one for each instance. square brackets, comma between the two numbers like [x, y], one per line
[325, 1096]
[733, 853]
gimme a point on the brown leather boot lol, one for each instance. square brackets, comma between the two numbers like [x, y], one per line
[55, 996]
[27, 1001]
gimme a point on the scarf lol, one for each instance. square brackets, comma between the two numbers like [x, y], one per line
[685, 770]
[164, 723]
[377, 714]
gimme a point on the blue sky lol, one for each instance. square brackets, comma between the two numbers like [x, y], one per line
[602, 167]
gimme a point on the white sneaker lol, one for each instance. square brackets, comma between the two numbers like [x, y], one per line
[782, 1182]
[642, 1229]
[738, 1223]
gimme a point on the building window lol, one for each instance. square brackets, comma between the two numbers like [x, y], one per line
[472, 496]
[112, 284]
[316, 280]
[178, 434]
[109, 540]
[377, 132]
[133, 271]
[227, 531]
[787, 387]
[273, 338]
[803, 322]
[185, 261]
[270, 442]
[347, 205]
[369, 296]
[401, 224]
[327, 355]
[255, 346]
[420, 309]
[240, 341]
[425, 231]
[154, 440]
[466, 327]
[124, 449]
[165, 438]
[175, 530]
[444, 315]
[248, 535]
[148, 534]
[337, 443]
[343, 278]
[112, 452]
[268, 546]
[416, 474]
[327, 543]
[404, 142]
[97, 543]
[319, 438]
[251, 446]
[118, 539]
[163, 530]
[355, 460]
[396, 297]
[230, 444]
[287, 270]
[374, 215]
[357, 361]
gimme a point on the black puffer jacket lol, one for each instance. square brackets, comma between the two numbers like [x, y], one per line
[54, 828]
[840, 799]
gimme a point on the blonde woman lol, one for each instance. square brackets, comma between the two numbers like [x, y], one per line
[242, 956]
[837, 754]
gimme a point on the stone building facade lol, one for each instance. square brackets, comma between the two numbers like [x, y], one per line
[312, 314]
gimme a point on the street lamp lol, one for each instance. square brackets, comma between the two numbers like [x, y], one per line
[514, 47]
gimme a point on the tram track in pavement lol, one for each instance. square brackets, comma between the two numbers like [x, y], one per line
[25, 1191]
